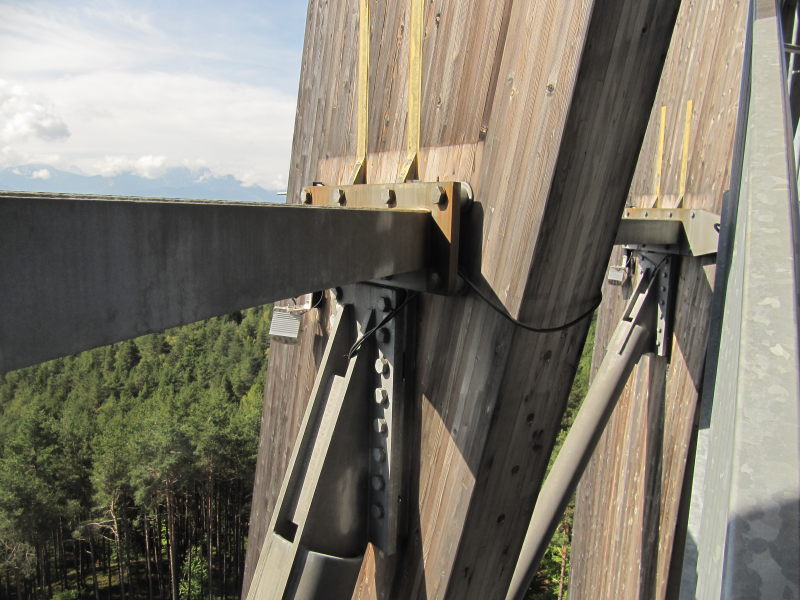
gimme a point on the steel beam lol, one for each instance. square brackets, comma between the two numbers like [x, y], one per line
[84, 271]
[689, 231]
[632, 337]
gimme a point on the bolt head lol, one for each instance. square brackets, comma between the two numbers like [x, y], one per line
[307, 197]
[378, 454]
[384, 335]
[380, 425]
[382, 366]
[381, 397]
[386, 304]
[390, 198]
[377, 483]
[342, 198]
[376, 510]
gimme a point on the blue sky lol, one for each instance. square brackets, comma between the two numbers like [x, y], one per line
[112, 87]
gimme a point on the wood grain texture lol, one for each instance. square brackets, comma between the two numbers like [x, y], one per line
[628, 499]
[325, 101]
[541, 106]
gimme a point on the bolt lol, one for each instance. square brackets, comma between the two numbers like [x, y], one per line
[384, 335]
[342, 197]
[693, 214]
[434, 280]
[377, 483]
[378, 454]
[440, 199]
[382, 366]
[386, 304]
[376, 510]
[550, 88]
[390, 198]
[670, 214]
[307, 197]
[380, 425]
[381, 397]
[646, 214]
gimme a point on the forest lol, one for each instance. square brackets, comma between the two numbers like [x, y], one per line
[126, 471]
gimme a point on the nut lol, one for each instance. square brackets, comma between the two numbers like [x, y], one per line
[381, 397]
[382, 366]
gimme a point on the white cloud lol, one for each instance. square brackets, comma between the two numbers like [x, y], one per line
[24, 115]
[100, 82]
[41, 174]
[148, 166]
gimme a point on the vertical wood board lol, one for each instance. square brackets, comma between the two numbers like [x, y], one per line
[628, 500]
[541, 106]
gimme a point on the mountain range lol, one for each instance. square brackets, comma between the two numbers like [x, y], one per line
[179, 182]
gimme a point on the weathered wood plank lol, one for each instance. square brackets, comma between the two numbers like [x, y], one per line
[551, 168]
[326, 103]
[628, 500]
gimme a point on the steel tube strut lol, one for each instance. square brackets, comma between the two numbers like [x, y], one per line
[631, 339]
[84, 271]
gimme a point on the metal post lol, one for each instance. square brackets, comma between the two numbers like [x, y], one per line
[631, 339]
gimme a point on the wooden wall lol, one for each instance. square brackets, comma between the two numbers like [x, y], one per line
[542, 107]
[629, 497]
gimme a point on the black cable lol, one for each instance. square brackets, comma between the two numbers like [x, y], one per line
[360, 341]
[319, 300]
[504, 312]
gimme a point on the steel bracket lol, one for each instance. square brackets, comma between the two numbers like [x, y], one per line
[346, 480]
[650, 258]
[685, 231]
[664, 264]
[658, 237]
[444, 200]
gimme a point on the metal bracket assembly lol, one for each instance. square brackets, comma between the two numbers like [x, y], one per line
[658, 237]
[684, 231]
[443, 199]
[345, 482]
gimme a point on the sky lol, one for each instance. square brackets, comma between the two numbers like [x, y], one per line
[117, 87]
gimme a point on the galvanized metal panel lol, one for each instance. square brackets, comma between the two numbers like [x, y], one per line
[285, 324]
[748, 545]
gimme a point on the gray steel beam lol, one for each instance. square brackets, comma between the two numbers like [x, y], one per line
[744, 522]
[84, 271]
[632, 337]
